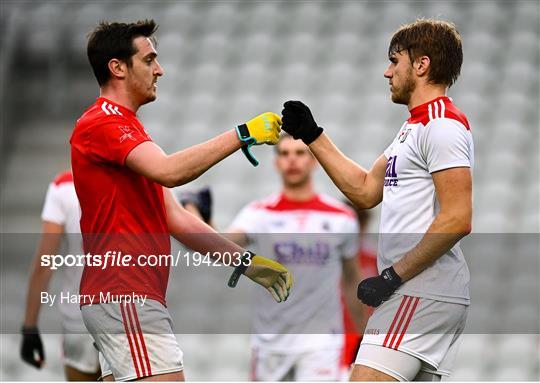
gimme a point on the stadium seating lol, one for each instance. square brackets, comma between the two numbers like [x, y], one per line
[228, 61]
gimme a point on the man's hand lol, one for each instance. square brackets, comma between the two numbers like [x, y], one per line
[299, 122]
[263, 129]
[270, 274]
[375, 290]
[31, 345]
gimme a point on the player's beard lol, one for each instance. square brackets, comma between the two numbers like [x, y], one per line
[294, 182]
[141, 91]
[402, 95]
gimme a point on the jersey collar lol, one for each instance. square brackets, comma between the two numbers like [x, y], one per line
[420, 111]
[125, 111]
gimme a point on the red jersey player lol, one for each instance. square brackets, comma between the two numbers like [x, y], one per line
[122, 178]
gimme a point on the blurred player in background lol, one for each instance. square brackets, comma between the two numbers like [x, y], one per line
[424, 182]
[60, 221]
[122, 179]
[316, 237]
[367, 259]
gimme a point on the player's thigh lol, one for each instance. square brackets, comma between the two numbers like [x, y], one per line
[74, 375]
[384, 363]
[177, 376]
[362, 373]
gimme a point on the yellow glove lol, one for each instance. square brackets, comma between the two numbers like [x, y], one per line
[268, 273]
[263, 129]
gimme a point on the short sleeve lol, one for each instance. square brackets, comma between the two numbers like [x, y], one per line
[351, 240]
[446, 144]
[388, 150]
[53, 208]
[248, 220]
[114, 140]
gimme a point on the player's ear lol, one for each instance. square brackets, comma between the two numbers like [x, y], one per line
[117, 68]
[421, 65]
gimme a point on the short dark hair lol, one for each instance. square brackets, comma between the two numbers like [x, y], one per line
[115, 41]
[437, 39]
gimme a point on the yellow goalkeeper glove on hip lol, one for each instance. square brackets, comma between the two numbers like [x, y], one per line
[263, 129]
[270, 274]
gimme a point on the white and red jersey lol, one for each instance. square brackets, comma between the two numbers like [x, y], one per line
[62, 207]
[122, 211]
[437, 136]
[310, 238]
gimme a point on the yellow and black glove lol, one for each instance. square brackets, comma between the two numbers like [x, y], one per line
[263, 129]
[270, 274]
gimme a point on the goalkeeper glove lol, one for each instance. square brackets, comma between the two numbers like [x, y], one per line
[268, 273]
[375, 290]
[299, 122]
[263, 129]
[32, 348]
[201, 199]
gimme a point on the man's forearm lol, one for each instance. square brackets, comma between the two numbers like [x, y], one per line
[197, 235]
[442, 235]
[347, 175]
[188, 164]
[39, 281]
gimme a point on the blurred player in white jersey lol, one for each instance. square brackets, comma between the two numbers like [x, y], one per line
[60, 221]
[424, 182]
[316, 237]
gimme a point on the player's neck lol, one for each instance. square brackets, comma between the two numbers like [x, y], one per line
[119, 97]
[425, 93]
[299, 193]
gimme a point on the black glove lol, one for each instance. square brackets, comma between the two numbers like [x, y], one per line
[375, 290]
[31, 344]
[202, 200]
[299, 123]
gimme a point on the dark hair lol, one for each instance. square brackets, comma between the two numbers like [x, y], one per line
[437, 39]
[115, 41]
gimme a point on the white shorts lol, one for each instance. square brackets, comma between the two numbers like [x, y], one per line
[426, 329]
[134, 341]
[317, 365]
[78, 352]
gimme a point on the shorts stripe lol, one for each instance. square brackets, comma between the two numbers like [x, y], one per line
[394, 322]
[402, 317]
[136, 340]
[128, 335]
[143, 343]
[416, 300]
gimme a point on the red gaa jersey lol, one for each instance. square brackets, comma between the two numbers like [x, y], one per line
[121, 211]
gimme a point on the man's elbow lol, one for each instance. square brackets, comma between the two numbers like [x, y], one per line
[461, 224]
[171, 180]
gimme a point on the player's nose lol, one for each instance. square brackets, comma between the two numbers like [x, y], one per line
[159, 70]
[387, 73]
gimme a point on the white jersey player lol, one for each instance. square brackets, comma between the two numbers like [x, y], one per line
[60, 217]
[424, 182]
[316, 238]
